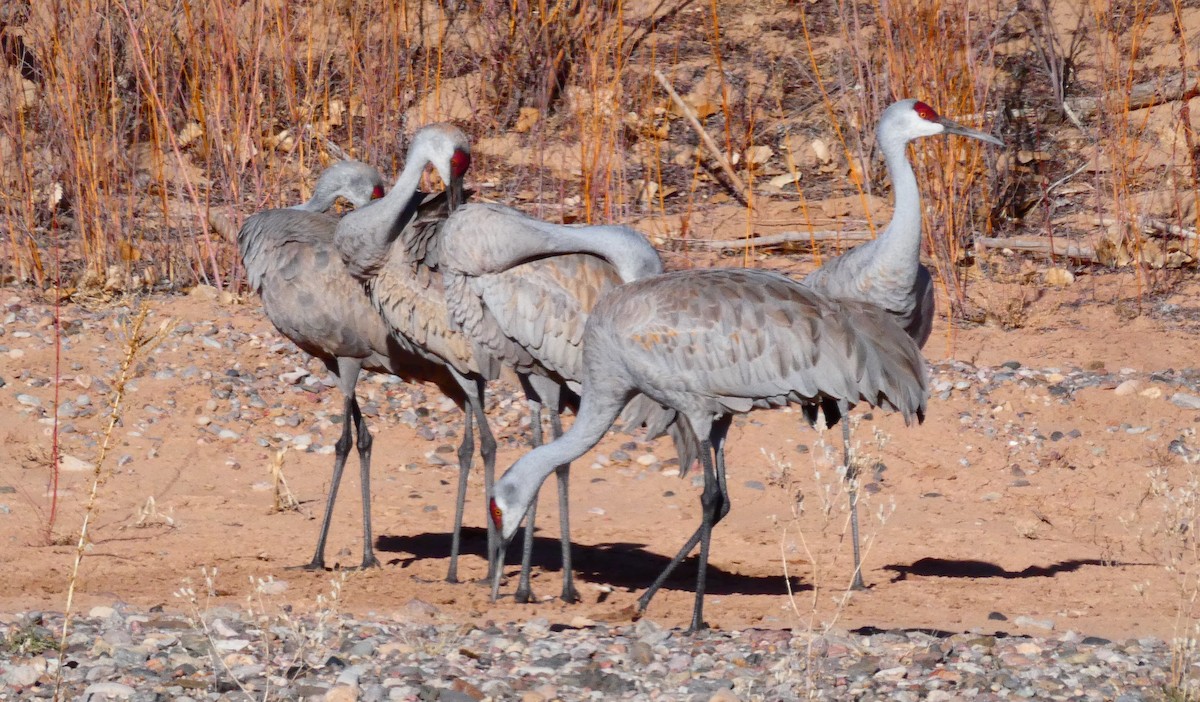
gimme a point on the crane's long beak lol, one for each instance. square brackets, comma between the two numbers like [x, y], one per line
[454, 193]
[497, 557]
[952, 127]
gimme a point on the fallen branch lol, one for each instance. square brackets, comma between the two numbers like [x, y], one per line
[1143, 95]
[740, 188]
[1055, 247]
[1160, 227]
[777, 239]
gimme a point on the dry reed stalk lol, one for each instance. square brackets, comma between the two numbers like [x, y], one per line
[137, 343]
[1118, 36]
[739, 187]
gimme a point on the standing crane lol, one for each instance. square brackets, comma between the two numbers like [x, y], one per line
[402, 262]
[521, 290]
[887, 271]
[710, 344]
[392, 248]
[310, 297]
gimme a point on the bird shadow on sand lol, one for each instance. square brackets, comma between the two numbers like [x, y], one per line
[620, 564]
[954, 568]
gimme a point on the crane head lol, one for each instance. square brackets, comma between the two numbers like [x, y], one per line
[353, 180]
[506, 517]
[911, 119]
[448, 149]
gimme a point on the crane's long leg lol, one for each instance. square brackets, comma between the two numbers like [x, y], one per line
[347, 371]
[563, 475]
[487, 450]
[364, 466]
[466, 449]
[852, 491]
[714, 503]
[524, 592]
[543, 392]
[474, 390]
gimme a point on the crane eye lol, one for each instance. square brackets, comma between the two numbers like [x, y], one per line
[459, 163]
[497, 514]
[377, 192]
[925, 112]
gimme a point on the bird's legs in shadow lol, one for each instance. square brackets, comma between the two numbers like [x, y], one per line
[524, 592]
[466, 451]
[364, 465]
[714, 503]
[347, 371]
[487, 450]
[473, 388]
[544, 392]
[340, 451]
[852, 491]
[563, 475]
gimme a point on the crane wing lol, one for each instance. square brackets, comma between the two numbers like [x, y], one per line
[721, 341]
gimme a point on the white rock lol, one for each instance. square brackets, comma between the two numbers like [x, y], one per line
[100, 612]
[231, 644]
[21, 675]
[273, 587]
[1128, 387]
[223, 629]
[102, 690]
[71, 464]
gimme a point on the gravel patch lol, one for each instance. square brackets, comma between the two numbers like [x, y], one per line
[224, 654]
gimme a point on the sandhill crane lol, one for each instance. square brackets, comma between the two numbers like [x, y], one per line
[710, 344]
[888, 271]
[521, 289]
[392, 248]
[311, 298]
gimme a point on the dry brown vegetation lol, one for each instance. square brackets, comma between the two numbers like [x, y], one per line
[124, 122]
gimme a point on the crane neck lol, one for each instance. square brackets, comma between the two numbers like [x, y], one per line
[626, 249]
[597, 412]
[901, 241]
[321, 200]
[365, 236]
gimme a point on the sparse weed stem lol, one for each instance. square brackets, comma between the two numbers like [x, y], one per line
[283, 639]
[817, 519]
[138, 342]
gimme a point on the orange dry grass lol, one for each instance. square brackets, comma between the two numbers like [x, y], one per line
[124, 121]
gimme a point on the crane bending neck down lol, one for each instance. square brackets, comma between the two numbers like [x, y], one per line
[710, 344]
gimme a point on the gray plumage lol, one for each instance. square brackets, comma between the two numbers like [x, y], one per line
[710, 344]
[390, 247]
[521, 290]
[888, 271]
[310, 297]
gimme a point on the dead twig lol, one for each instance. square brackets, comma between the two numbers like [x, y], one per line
[1157, 226]
[777, 239]
[1069, 249]
[1148, 94]
[740, 190]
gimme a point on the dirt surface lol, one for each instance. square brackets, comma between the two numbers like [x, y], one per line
[987, 509]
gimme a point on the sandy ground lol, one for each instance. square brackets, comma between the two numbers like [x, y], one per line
[984, 512]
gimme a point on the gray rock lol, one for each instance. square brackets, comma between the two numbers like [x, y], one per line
[1186, 401]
